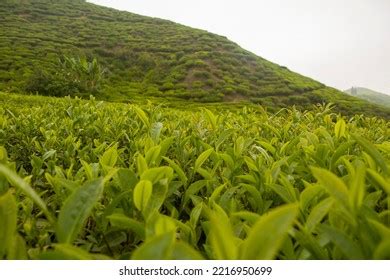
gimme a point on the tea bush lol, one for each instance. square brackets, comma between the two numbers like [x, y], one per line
[95, 180]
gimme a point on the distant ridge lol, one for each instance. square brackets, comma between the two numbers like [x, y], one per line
[370, 95]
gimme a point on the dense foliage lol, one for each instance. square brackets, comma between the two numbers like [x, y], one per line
[87, 179]
[74, 76]
[144, 56]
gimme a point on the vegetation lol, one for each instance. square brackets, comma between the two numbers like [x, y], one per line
[144, 57]
[255, 171]
[370, 95]
[73, 76]
[94, 180]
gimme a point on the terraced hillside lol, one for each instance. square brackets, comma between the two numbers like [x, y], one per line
[147, 56]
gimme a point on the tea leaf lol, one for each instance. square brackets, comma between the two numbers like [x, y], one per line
[334, 185]
[109, 157]
[268, 233]
[142, 193]
[158, 248]
[8, 212]
[202, 158]
[19, 183]
[339, 128]
[318, 213]
[122, 222]
[221, 238]
[183, 251]
[76, 209]
[373, 152]
[142, 116]
[382, 182]
[343, 242]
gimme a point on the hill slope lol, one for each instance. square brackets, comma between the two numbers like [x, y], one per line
[148, 56]
[370, 95]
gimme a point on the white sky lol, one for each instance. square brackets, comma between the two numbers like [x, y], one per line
[341, 43]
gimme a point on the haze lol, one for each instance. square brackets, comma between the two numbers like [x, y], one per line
[341, 43]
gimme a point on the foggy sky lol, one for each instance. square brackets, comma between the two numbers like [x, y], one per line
[341, 43]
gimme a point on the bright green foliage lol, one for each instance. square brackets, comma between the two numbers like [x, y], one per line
[7, 222]
[95, 180]
[142, 193]
[268, 233]
[76, 210]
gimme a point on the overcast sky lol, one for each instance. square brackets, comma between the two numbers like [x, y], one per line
[341, 43]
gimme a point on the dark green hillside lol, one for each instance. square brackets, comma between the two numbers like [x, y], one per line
[145, 56]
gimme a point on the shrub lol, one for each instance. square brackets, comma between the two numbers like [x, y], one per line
[73, 76]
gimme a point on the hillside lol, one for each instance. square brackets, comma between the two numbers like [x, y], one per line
[148, 57]
[370, 95]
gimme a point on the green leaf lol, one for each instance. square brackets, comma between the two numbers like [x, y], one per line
[339, 128]
[109, 157]
[87, 169]
[18, 249]
[142, 193]
[123, 222]
[318, 213]
[126, 178]
[8, 213]
[193, 189]
[156, 174]
[334, 185]
[247, 216]
[373, 152]
[152, 155]
[158, 248]
[256, 195]
[164, 224]
[142, 166]
[309, 194]
[142, 116]
[183, 251]
[216, 193]
[77, 209]
[22, 185]
[157, 199]
[339, 152]
[311, 244]
[248, 178]
[202, 158]
[343, 242]
[382, 252]
[382, 230]
[378, 179]
[268, 233]
[357, 186]
[287, 194]
[239, 146]
[211, 118]
[48, 154]
[221, 237]
[177, 169]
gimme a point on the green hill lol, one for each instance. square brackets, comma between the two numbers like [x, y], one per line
[370, 95]
[146, 56]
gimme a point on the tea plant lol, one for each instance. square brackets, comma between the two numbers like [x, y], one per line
[94, 180]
